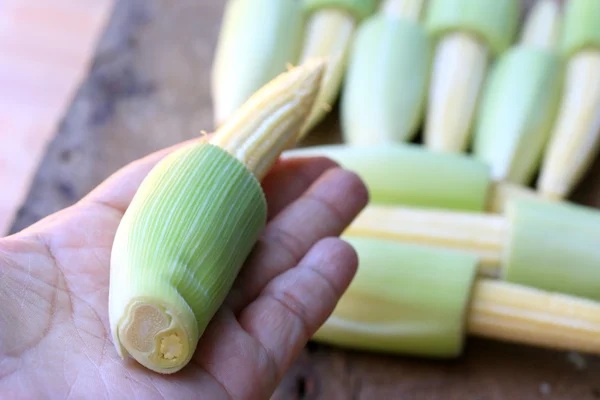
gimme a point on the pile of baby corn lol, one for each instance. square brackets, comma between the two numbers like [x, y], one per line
[471, 122]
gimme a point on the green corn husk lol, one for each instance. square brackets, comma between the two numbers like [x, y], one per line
[193, 222]
[582, 26]
[554, 247]
[409, 174]
[199, 231]
[517, 112]
[383, 97]
[258, 40]
[404, 299]
[359, 9]
[493, 22]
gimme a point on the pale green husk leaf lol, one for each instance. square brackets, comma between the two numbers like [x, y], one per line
[407, 174]
[581, 29]
[257, 42]
[387, 78]
[495, 23]
[554, 246]
[404, 299]
[183, 239]
[517, 113]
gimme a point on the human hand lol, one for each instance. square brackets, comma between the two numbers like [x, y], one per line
[54, 333]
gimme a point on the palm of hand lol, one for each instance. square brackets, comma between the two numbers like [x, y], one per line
[54, 332]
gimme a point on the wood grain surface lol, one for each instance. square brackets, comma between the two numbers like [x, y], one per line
[149, 88]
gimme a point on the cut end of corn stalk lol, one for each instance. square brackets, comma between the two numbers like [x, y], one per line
[193, 222]
[576, 135]
[405, 9]
[521, 314]
[543, 25]
[328, 33]
[459, 68]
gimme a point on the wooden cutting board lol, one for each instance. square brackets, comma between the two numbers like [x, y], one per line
[149, 88]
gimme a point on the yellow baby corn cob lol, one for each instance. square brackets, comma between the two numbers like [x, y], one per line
[576, 135]
[520, 99]
[482, 235]
[412, 300]
[468, 34]
[547, 245]
[386, 81]
[193, 222]
[257, 41]
[328, 33]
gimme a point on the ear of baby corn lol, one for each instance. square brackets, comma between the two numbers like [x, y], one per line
[193, 222]
[410, 175]
[329, 31]
[522, 314]
[479, 234]
[519, 101]
[517, 113]
[386, 81]
[467, 34]
[575, 138]
[553, 246]
[404, 299]
[257, 41]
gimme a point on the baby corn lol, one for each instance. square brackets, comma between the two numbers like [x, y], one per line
[193, 222]
[576, 135]
[468, 34]
[386, 81]
[257, 41]
[410, 300]
[329, 32]
[537, 243]
[410, 175]
[520, 100]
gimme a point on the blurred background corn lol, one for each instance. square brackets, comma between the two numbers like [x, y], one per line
[547, 245]
[409, 174]
[576, 135]
[468, 34]
[258, 40]
[520, 98]
[386, 81]
[478, 234]
[410, 300]
[329, 30]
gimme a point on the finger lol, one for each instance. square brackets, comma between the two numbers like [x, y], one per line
[294, 305]
[118, 190]
[290, 178]
[324, 210]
